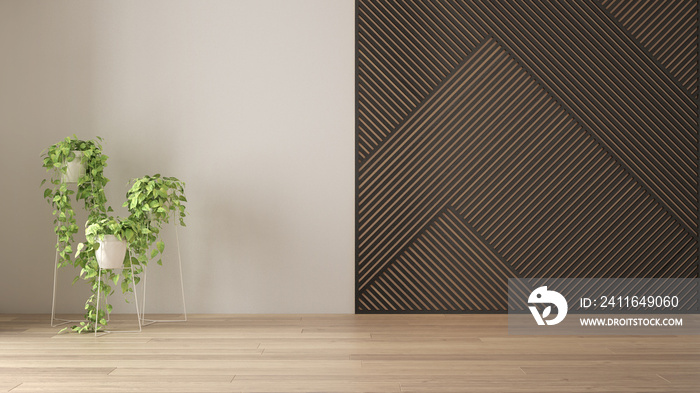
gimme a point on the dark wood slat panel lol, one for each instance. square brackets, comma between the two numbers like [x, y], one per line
[533, 139]
[408, 47]
[667, 30]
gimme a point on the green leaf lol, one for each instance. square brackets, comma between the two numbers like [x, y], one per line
[80, 248]
[115, 279]
[129, 233]
[154, 253]
[161, 246]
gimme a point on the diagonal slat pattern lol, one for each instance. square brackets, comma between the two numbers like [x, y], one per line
[447, 268]
[633, 109]
[668, 30]
[399, 194]
[405, 50]
[542, 132]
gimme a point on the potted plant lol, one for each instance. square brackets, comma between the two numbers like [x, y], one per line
[82, 162]
[107, 240]
[151, 200]
[73, 168]
[111, 236]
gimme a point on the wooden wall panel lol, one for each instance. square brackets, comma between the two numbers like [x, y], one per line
[501, 139]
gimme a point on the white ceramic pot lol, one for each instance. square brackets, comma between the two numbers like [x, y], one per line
[74, 169]
[111, 253]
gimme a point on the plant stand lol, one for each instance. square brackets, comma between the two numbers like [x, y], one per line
[57, 321]
[136, 302]
[146, 322]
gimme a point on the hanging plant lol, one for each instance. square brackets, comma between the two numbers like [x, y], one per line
[98, 229]
[59, 160]
[152, 200]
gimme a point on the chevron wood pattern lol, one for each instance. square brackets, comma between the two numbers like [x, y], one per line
[668, 32]
[501, 139]
[406, 54]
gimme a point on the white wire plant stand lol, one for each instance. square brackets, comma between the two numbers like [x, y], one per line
[136, 301]
[148, 321]
[143, 321]
[141, 316]
[55, 322]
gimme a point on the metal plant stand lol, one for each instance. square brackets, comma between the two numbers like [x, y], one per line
[57, 321]
[136, 302]
[146, 322]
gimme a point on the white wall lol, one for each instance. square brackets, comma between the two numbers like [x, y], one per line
[251, 103]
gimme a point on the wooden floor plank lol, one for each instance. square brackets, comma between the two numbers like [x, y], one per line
[338, 353]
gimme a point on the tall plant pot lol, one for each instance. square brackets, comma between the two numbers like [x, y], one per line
[74, 169]
[110, 254]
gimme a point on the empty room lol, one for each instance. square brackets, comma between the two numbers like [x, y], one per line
[349, 196]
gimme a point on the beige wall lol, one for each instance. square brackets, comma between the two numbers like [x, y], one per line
[250, 102]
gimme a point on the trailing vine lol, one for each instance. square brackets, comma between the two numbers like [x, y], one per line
[97, 228]
[90, 188]
[151, 201]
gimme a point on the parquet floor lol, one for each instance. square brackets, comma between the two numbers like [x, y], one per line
[339, 353]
